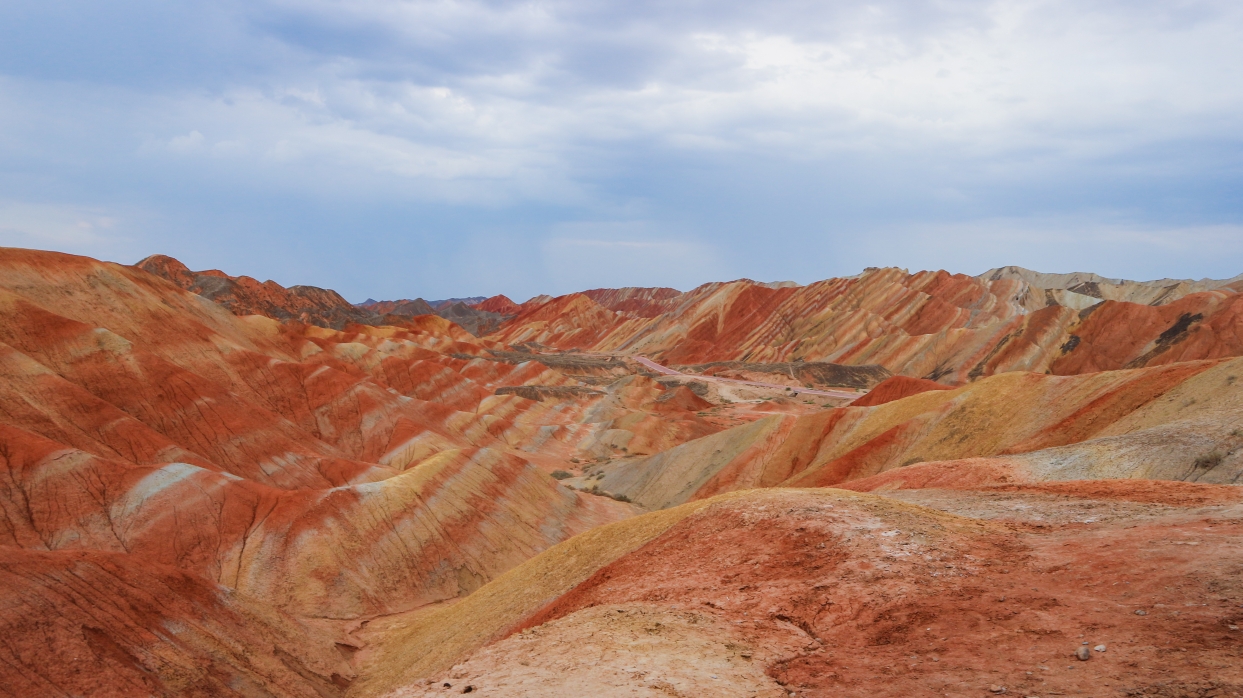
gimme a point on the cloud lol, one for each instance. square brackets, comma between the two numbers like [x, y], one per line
[969, 72]
[789, 125]
[50, 226]
[1062, 244]
[592, 254]
[188, 143]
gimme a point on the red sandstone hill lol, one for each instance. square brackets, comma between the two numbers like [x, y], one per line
[243, 295]
[318, 472]
[408, 307]
[896, 388]
[640, 302]
[266, 495]
[945, 327]
[500, 305]
[312, 305]
[475, 315]
[474, 320]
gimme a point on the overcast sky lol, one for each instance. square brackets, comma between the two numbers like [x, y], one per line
[400, 149]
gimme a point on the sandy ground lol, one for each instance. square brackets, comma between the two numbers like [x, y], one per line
[630, 650]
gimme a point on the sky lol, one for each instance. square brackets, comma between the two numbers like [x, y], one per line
[398, 149]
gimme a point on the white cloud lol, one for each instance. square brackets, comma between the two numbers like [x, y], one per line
[189, 143]
[361, 140]
[1101, 243]
[747, 117]
[25, 224]
[585, 255]
[522, 93]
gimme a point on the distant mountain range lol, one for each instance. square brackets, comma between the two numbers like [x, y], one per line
[934, 325]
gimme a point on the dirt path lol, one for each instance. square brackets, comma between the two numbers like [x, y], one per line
[665, 370]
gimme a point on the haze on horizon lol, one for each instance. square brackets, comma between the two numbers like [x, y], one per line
[439, 149]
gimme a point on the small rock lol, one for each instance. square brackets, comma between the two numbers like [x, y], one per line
[997, 689]
[1099, 648]
[1141, 612]
[468, 689]
[1082, 654]
[1233, 627]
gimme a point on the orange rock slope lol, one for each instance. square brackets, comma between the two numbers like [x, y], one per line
[896, 388]
[945, 327]
[315, 472]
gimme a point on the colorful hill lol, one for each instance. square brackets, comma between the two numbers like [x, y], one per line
[320, 473]
[934, 325]
[1174, 414]
[216, 486]
[243, 295]
[469, 313]
[896, 388]
[407, 307]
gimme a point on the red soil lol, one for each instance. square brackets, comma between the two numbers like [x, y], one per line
[107, 624]
[896, 388]
[1125, 335]
[886, 600]
[965, 474]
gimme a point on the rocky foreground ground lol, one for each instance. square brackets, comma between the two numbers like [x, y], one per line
[1084, 589]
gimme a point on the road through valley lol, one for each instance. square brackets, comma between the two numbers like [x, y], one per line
[801, 391]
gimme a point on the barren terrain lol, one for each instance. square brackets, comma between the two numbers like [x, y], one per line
[891, 484]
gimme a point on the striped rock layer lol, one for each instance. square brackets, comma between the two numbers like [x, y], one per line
[151, 436]
[935, 325]
[1171, 422]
